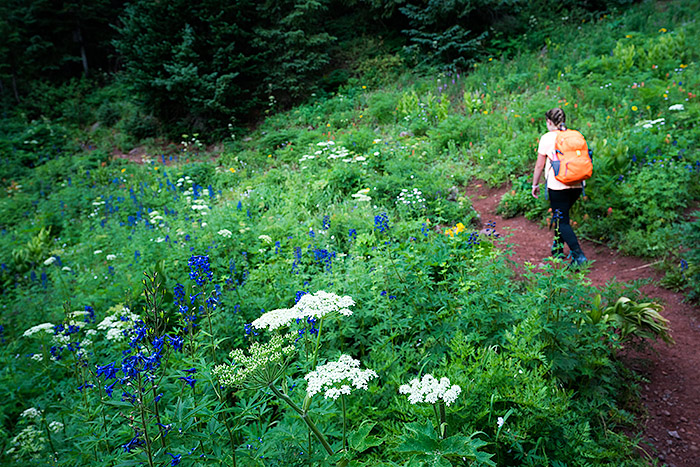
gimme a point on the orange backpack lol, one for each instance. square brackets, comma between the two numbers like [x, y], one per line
[572, 162]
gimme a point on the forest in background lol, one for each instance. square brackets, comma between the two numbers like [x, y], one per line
[190, 67]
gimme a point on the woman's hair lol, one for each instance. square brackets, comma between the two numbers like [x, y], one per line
[557, 117]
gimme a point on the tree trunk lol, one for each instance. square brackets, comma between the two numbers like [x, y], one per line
[78, 37]
[14, 85]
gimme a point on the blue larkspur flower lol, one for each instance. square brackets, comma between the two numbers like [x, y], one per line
[381, 222]
[109, 371]
[135, 442]
[189, 380]
[200, 270]
[110, 387]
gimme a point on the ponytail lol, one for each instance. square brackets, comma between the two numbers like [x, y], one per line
[558, 117]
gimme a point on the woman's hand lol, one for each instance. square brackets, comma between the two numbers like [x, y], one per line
[537, 174]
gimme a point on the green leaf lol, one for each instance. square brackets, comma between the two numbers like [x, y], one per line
[422, 438]
[360, 440]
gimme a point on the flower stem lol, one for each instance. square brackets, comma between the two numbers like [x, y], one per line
[305, 417]
[443, 420]
[145, 424]
[345, 440]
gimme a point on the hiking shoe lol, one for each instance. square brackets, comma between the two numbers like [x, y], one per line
[578, 259]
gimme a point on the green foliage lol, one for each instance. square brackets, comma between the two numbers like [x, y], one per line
[382, 107]
[426, 448]
[358, 193]
[633, 320]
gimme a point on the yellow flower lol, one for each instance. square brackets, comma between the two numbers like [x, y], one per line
[449, 232]
[232, 170]
[460, 227]
[634, 108]
[123, 170]
[490, 59]
[684, 66]
[155, 168]
[360, 115]
[269, 155]
[662, 30]
[328, 124]
[665, 95]
[628, 36]
[486, 112]
[364, 87]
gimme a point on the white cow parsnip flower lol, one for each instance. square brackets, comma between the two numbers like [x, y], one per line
[430, 390]
[338, 378]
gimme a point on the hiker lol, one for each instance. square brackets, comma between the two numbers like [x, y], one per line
[561, 196]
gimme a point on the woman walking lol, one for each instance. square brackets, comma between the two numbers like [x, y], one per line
[561, 196]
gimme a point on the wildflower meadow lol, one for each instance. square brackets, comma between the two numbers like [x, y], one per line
[319, 290]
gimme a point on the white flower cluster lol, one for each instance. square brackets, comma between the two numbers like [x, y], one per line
[257, 367]
[155, 217]
[310, 305]
[430, 390]
[331, 151]
[265, 238]
[411, 198]
[31, 413]
[337, 378]
[111, 257]
[677, 107]
[57, 339]
[225, 233]
[181, 181]
[30, 441]
[334, 152]
[49, 261]
[96, 210]
[200, 206]
[362, 195]
[651, 123]
[46, 327]
[115, 325]
[55, 426]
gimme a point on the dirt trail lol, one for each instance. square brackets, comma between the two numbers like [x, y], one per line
[672, 395]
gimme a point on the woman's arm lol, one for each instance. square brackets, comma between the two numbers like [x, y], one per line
[539, 167]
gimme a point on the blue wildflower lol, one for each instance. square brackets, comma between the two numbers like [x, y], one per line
[135, 442]
[110, 387]
[189, 380]
[109, 371]
[381, 222]
[200, 271]
[90, 318]
[249, 329]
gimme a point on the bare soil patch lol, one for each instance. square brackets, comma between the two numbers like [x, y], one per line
[671, 397]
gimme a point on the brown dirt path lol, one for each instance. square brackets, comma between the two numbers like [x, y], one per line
[671, 396]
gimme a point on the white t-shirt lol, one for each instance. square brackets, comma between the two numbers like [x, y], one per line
[546, 146]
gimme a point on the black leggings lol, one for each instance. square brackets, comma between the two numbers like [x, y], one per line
[561, 202]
